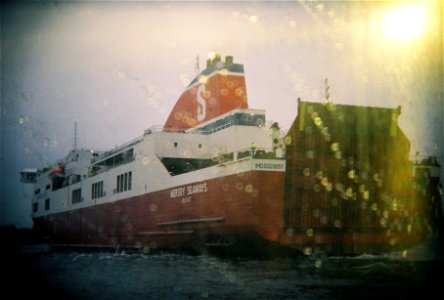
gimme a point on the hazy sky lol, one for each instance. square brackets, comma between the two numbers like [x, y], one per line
[117, 68]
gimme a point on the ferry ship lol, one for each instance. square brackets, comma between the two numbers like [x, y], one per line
[218, 174]
[215, 170]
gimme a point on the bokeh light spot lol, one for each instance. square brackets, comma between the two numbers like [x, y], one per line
[310, 232]
[308, 251]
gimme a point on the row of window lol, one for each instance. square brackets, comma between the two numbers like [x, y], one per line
[76, 196]
[124, 183]
[97, 190]
[239, 118]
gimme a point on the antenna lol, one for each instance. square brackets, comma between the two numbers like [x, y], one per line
[197, 64]
[75, 135]
[326, 90]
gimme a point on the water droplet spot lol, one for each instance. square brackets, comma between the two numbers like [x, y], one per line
[253, 19]
[351, 174]
[324, 181]
[121, 74]
[308, 251]
[287, 140]
[145, 160]
[334, 147]
[310, 232]
[203, 79]
[310, 154]
[337, 223]
[248, 188]
[338, 154]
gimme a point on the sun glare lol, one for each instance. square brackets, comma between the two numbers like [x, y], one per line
[405, 23]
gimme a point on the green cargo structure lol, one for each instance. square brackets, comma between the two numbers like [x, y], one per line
[349, 184]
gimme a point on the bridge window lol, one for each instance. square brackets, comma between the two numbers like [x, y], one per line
[243, 119]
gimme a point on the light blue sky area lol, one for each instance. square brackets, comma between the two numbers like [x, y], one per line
[118, 68]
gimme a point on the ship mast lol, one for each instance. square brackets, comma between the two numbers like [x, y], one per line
[197, 67]
[326, 90]
[75, 135]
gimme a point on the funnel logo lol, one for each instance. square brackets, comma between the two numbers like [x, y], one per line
[201, 104]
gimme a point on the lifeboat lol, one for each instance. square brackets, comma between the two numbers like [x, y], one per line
[57, 170]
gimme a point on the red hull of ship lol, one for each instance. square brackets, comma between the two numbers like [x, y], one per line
[244, 207]
[234, 206]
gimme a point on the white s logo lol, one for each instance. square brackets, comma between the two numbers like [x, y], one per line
[201, 104]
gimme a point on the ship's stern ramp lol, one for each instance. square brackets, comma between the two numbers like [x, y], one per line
[349, 186]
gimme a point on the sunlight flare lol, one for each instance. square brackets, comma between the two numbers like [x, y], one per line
[405, 23]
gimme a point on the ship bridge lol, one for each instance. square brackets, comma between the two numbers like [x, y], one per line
[240, 117]
[28, 175]
[235, 135]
